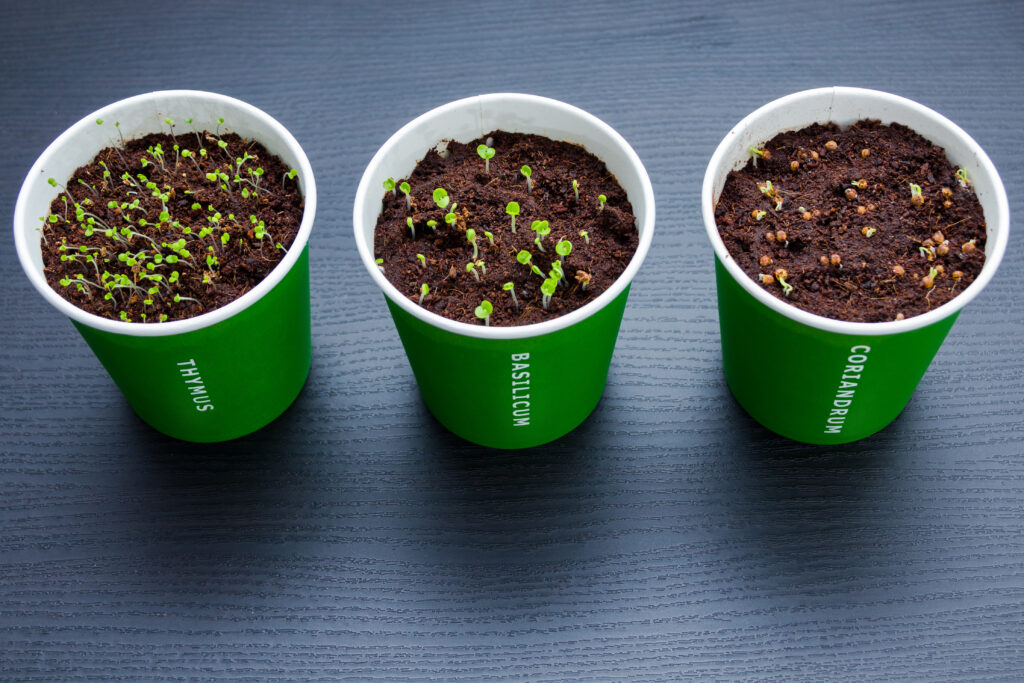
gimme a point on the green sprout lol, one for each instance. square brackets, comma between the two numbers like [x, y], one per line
[441, 198]
[424, 290]
[547, 289]
[170, 124]
[585, 235]
[471, 268]
[290, 175]
[490, 237]
[422, 259]
[486, 153]
[450, 218]
[471, 238]
[961, 176]
[868, 232]
[412, 228]
[513, 210]
[563, 249]
[389, 185]
[528, 174]
[510, 287]
[380, 264]
[601, 199]
[483, 311]
[406, 189]
[542, 229]
[556, 273]
[576, 188]
[758, 215]
[432, 224]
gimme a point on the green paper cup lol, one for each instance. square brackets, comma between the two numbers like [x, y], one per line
[507, 387]
[811, 378]
[222, 374]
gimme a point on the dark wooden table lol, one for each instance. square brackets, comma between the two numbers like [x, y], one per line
[668, 537]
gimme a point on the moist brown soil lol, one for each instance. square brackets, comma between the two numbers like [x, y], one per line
[103, 278]
[842, 245]
[482, 198]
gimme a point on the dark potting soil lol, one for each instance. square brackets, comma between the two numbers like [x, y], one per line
[849, 237]
[129, 255]
[482, 199]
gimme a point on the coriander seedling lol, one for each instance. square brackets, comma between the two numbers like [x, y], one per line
[513, 210]
[450, 218]
[471, 238]
[601, 199]
[576, 188]
[916, 198]
[406, 189]
[483, 311]
[424, 290]
[528, 174]
[542, 229]
[432, 224]
[471, 268]
[486, 153]
[585, 235]
[781, 275]
[422, 259]
[490, 237]
[758, 215]
[389, 185]
[510, 287]
[755, 153]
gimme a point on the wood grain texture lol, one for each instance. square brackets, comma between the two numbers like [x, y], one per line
[669, 537]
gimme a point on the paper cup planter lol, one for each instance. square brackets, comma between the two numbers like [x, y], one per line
[830, 381]
[507, 387]
[219, 375]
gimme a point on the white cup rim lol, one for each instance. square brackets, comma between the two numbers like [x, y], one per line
[998, 224]
[370, 182]
[173, 327]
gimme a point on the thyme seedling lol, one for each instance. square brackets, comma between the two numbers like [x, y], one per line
[483, 311]
[563, 249]
[441, 198]
[471, 238]
[525, 258]
[471, 268]
[601, 200]
[490, 237]
[542, 229]
[576, 188]
[412, 228]
[528, 174]
[513, 210]
[547, 290]
[424, 290]
[961, 177]
[389, 185]
[422, 259]
[406, 189]
[585, 235]
[510, 287]
[486, 153]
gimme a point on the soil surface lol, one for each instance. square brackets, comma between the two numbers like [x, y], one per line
[189, 245]
[841, 220]
[482, 198]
